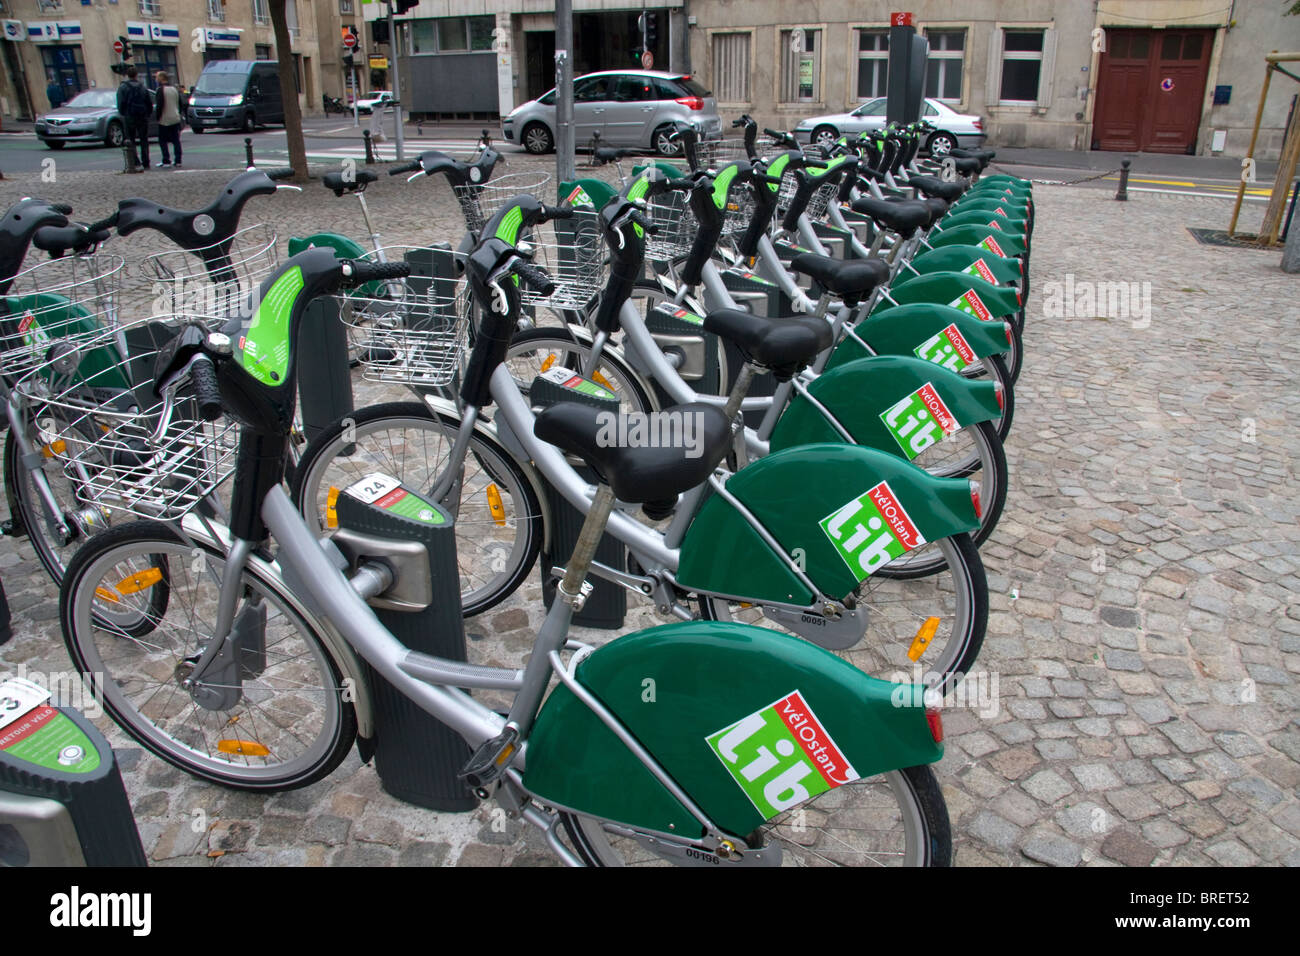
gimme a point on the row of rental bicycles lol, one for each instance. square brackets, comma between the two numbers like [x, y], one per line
[767, 386]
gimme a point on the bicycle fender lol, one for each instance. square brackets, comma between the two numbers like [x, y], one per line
[587, 193]
[937, 333]
[894, 403]
[344, 248]
[976, 217]
[713, 702]
[969, 293]
[965, 259]
[974, 235]
[848, 510]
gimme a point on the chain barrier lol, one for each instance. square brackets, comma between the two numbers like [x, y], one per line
[1057, 182]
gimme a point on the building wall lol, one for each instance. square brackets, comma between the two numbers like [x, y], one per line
[1061, 117]
[103, 21]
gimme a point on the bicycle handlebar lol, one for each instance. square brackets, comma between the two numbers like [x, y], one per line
[557, 212]
[357, 272]
[206, 390]
[61, 208]
[284, 172]
[108, 222]
[411, 167]
[534, 277]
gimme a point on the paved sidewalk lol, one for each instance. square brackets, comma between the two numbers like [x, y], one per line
[1145, 578]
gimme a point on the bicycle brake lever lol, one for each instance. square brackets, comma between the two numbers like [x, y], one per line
[296, 189]
[413, 178]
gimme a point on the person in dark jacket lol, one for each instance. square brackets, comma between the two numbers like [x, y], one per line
[54, 93]
[134, 106]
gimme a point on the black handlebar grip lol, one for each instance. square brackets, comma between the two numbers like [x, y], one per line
[557, 212]
[679, 184]
[108, 222]
[412, 167]
[363, 272]
[534, 278]
[61, 208]
[284, 172]
[206, 390]
[645, 223]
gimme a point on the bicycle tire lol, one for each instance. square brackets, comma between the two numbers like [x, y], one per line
[507, 562]
[896, 608]
[914, 791]
[564, 348]
[285, 681]
[996, 369]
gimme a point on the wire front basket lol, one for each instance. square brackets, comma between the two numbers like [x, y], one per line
[675, 224]
[818, 203]
[480, 202]
[410, 331]
[573, 253]
[740, 210]
[73, 299]
[716, 153]
[121, 447]
[214, 281]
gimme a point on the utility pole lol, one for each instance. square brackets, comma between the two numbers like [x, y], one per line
[397, 82]
[565, 170]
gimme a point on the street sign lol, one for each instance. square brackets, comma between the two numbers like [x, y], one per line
[118, 46]
[647, 60]
[349, 40]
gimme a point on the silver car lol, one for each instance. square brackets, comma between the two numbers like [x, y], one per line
[628, 108]
[89, 117]
[955, 129]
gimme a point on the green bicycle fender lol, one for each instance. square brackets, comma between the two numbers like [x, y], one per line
[976, 217]
[54, 316]
[669, 170]
[973, 235]
[961, 259]
[1001, 178]
[912, 329]
[790, 493]
[676, 686]
[866, 396]
[344, 248]
[587, 193]
[963, 291]
[1008, 204]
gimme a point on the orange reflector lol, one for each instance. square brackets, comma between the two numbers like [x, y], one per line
[57, 447]
[495, 506]
[601, 380]
[246, 748]
[550, 360]
[505, 755]
[107, 595]
[923, 638]
[139, 581]
[331, 508]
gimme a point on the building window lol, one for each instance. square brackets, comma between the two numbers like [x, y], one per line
[64, 65]
[452, 35]
[150, 8]
[149, 59]
[297, 73]
[262, 51]
[731, 67]
[873, 63]
[261, 15]
[291, 18]
[943, 69]
[50, 6]
[800, 65]
[1022, 65]
[345, 6]
[216, 11]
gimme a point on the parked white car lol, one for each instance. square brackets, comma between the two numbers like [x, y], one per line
[381, 99]
[955, 129]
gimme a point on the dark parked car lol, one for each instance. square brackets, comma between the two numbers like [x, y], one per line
[89, 117]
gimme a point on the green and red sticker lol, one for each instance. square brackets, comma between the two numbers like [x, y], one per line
[677, 312]
[919, 420]
[579, 197]
[384, 491]
[970, 303]
[980, 268]
[781, 755]
[33, 731]
[992, 246]
[567, 378]
[947, 347]
[871, 530]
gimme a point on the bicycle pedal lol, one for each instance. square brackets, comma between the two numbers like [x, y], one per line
[488, 763]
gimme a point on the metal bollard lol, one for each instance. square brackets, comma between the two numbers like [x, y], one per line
[128, 154]
[1121, 194]
[248, 150]
[370, 148]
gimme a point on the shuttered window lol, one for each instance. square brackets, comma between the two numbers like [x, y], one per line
[731, 67]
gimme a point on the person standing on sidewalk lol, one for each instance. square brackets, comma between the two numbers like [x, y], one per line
[54, 93]
[168, 113]
[134, 106]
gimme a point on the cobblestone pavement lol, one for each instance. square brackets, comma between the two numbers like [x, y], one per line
[1145, 624]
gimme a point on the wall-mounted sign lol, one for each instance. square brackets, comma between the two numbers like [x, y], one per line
[13, 30]
[1166, 84]
[379, 63]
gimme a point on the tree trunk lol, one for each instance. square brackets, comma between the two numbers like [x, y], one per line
[289, 91]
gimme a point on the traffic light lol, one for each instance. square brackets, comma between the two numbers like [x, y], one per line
[126, 47]
[347, 58]
[401, 6]
[379, 30]
[651, 29]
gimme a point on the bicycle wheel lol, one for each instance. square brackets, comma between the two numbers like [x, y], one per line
[273, 717]
[993, 367]
[647, 294]
[952, 602]
[894, 819]
[499, 524]
[534, 351]
[973, 452]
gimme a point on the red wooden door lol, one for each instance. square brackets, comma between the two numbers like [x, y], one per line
[1150, 88]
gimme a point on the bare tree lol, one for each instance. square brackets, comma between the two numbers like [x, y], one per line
[289, 90]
